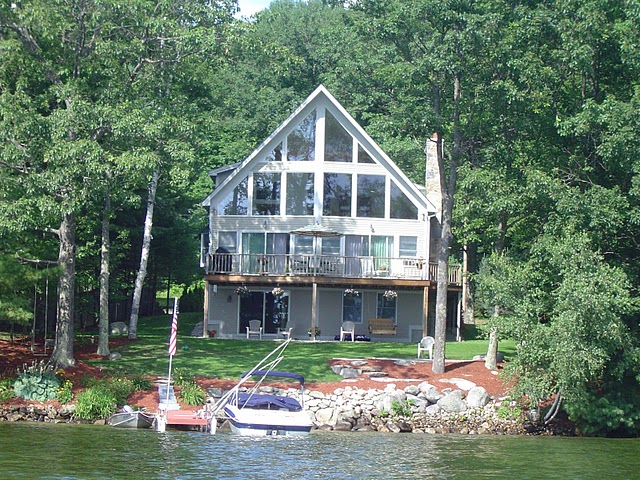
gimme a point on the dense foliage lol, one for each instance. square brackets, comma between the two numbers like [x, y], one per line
[538, 104]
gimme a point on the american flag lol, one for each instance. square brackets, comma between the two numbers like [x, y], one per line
[173, 338]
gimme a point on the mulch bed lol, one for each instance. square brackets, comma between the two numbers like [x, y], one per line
[12, 357]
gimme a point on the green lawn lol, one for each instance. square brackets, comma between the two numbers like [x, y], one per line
[215, 358]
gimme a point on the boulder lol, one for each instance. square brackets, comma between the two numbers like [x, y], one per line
[119, 328]
[477, 397]
[453, 402]
[198, 330]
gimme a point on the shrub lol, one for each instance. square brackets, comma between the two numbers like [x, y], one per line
[141, 383]
[36, 382]
[6, 389]
[95, 402]
[192, 394]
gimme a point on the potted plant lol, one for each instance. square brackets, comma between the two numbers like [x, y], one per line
[277, 292]
[317, 330]
[350, 292]
[420, 263]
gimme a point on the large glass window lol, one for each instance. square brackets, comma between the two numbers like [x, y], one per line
[300, 193]
[331, 246]
[338, 144]
[401, 206]
[266, 194]
[381, 250]
[408, 246]
[303, 245]
[228, 241]
[337, 195]
[352, 308]
[301, 143]
[271, 310]
[386, 307]
[370, 202]
[237, 202]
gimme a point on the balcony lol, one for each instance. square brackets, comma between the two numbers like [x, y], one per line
[327, 266]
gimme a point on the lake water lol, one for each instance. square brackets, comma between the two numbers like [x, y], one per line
[34, 450]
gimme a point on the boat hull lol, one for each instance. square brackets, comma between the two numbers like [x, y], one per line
[261, 423]
[131, 420]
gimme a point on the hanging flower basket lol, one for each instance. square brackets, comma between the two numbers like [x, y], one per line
[350, 292]
[243, 291]
[277, 292]
[390, 294]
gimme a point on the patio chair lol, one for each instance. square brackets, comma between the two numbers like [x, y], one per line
[255, 329]
[348, 328]
[426, 345]
[285, 332]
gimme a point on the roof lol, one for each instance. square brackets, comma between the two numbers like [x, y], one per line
[319, 96]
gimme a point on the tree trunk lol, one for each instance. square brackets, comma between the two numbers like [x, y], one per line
[448, 189]
[62, 355]
[103, 336]
[490, 361]
[144, 256]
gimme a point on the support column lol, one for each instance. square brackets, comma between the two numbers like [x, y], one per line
[425, 311]
[205, 322]
[314, 310]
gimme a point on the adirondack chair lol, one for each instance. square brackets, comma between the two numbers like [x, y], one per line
[254, 329]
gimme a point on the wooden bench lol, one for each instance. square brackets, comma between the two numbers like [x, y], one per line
[381, 326]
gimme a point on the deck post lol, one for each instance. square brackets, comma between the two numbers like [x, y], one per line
[425, 311]
[205, 321]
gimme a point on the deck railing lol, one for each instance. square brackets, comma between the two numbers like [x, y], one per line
[326, 265]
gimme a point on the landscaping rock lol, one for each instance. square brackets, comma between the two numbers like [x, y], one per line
[119, 328]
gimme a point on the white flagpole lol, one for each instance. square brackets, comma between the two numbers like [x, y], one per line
[172, 342]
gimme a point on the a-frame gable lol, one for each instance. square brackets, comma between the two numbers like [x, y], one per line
[321, 97]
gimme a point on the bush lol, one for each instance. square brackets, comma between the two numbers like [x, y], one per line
[6, 389]
[95, 402]
[192, 394]
[141, 383]
[36, 382]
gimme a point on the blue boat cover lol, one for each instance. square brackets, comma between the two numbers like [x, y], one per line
[267, 401]
[274, 373]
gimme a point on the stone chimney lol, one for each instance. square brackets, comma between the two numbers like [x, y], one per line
[432, 174]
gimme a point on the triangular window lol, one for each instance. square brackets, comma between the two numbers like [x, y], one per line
[363, 156]
[401, 206]
[237, 201]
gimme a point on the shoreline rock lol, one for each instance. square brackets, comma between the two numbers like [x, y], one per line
[415, 409]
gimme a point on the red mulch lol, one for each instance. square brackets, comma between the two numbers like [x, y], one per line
[14, 356]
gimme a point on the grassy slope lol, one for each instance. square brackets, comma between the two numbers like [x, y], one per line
[215, 358]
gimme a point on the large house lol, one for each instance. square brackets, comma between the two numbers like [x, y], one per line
[318, 227]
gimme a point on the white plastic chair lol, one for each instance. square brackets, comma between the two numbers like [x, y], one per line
[254, 328]
[348, 328]
[285, 332]
[426, 345]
